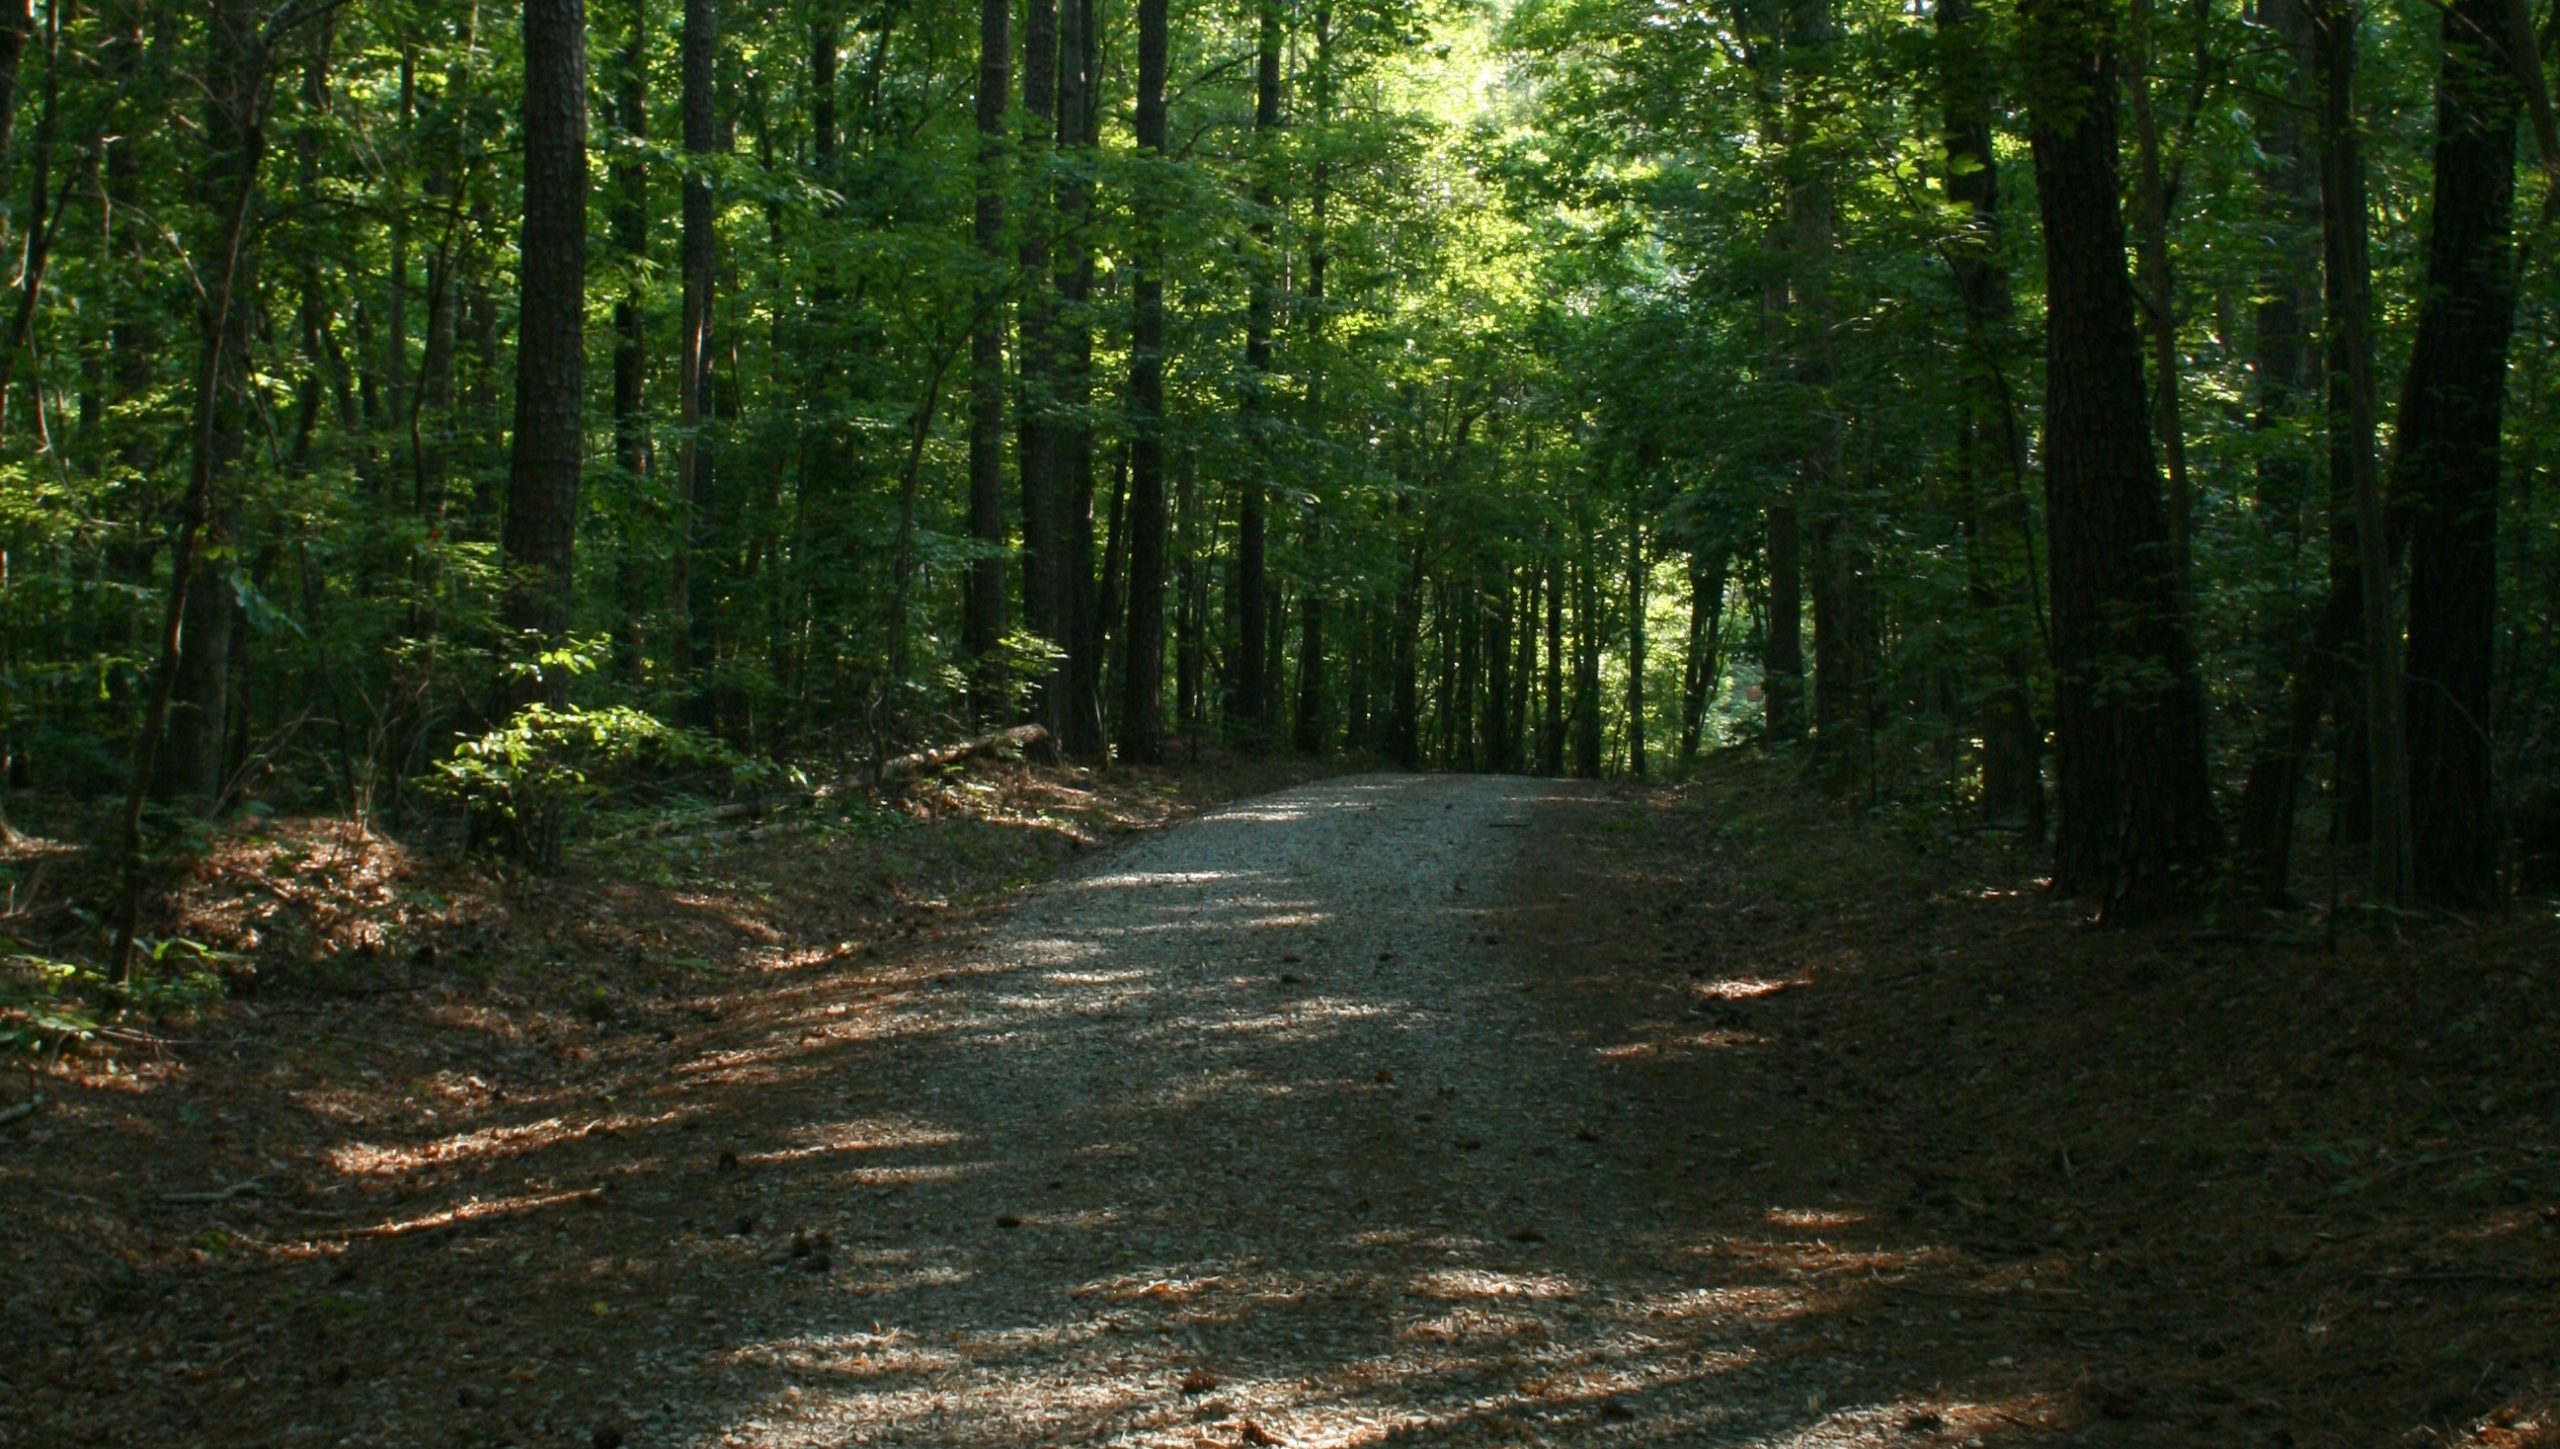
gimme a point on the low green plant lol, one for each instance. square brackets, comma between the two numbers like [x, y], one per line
[526, 782]
[47, 1003]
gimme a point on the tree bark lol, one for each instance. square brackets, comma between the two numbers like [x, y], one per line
[697, 265]
[1046, 599]
[2347, 263]
[1704, 667]
[1990, 460]
[539, 543]
[629, 222]
[983, 622]
[1142, 698]
[1079, 50]
[1309, 736]
[237, 87]
[2446, 466]
[189, 766]
[1253, 707]
[2137, 827]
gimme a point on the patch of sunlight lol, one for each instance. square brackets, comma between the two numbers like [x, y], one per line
[1815, 1219]
[365, 1159]
[836, 1139]
[881, 1285]
[1453, 1284]
[1740, 1304]
[1747, 988]
[910, 1176]
[1298, 1017]
[1145, 879]
[1465, 1325]
[1669, 1046]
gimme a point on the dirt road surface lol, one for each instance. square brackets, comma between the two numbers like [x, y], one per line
[1258, 1131]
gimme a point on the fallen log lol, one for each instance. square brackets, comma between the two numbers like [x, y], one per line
[899, 771]
[922, 762]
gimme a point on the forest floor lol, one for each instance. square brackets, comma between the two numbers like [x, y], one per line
[1383, 1109]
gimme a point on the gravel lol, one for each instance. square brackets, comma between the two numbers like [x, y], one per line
[1250, 1132]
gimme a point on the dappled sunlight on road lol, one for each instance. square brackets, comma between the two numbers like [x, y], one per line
[1257, 1137]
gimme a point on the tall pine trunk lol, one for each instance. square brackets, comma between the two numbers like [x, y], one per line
[539, 543]
[1142, 694]
[2446, 466]
[1046, 599]
[696, 264]
[1252, 705]
[1990, 460]
[983, 623]
[2346, 259]
[2137, 827]
[629, 223]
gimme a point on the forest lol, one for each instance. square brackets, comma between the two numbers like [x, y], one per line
[1993, 403]
[592, 548]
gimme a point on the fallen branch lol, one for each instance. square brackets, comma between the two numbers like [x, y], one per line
[249, 1188]
[26, 1108]
[908, 767]
[895, 772]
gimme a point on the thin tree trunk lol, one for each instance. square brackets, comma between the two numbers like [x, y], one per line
[2353, 421]
[1142, 698]
[1704, 668]
[1078, 59]
[983, 623]
[2159, 290]
[697, 266]
[629, 220]
[235, 127]
[1637, 570]
[1551, 723]
[1309, 737]
[1046, 598]
[1990, 452]
[1253, 706]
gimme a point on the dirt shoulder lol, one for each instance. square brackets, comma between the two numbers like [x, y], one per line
[2223, 1181]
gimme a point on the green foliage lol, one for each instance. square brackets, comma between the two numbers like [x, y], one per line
[46, 1004]
[527, 782]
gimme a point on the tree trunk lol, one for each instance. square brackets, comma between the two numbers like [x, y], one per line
[1253, 707]
[539, 543]
[1496, 711]
[1841, 668]
[629, 220]
[1990, 456]
[1309, 736]
[540, 540]
[1637, 569]
[697, 266]
[236, 88]
[189, 766]
[1551, 722]
[2446, 465]
[983, 623]
[2159, 289]
[1704, 668]
[2137, 825]
[1079, 50]
[1142, 698]
[1046, 597]
[1190, 600]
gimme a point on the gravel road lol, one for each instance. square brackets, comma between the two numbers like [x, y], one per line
[1252, 1132]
